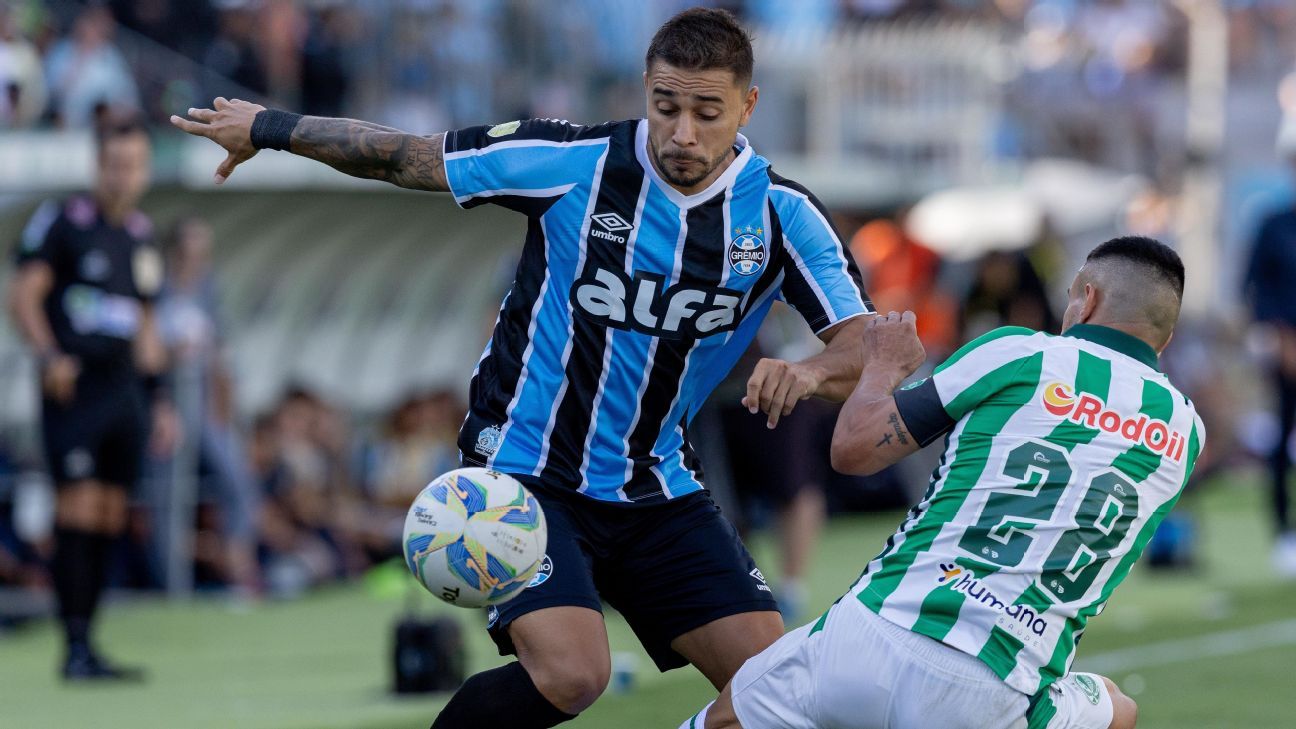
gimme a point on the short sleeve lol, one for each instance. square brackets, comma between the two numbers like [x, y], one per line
[820, 278]
[42, 238]
[522, 165]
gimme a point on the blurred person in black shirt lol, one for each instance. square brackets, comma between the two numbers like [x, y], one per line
[1269, 288]
[81, 297]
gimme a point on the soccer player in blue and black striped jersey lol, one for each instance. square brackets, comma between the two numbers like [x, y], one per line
[654, 249]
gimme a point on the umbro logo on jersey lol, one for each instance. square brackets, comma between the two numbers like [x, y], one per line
[644, 304]
[608, 225]
[1090, 411]
[611, 221]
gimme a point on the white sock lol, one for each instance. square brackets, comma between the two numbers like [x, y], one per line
[698, 721]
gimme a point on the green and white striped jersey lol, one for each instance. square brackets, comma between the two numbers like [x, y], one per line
[1065, 454]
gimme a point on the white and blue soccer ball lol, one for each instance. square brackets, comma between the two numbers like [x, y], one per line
[475, 537]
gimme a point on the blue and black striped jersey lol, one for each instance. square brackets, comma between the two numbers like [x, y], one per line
[631, 300]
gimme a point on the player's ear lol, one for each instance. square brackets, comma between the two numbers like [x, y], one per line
[1090, 303]
[749, 105]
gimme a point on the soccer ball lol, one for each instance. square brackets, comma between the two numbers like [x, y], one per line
[474, 537]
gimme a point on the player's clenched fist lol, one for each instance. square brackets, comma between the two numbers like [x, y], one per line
[777, 386]
[228, 124]
[891, 341]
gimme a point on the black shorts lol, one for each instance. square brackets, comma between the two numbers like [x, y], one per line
[667, 568]
[775, 465]
[101, 434]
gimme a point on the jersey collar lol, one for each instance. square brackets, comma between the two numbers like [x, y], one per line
[1114, 339]
[680, 199]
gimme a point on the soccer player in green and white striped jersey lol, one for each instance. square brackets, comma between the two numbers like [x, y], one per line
[1062, 455]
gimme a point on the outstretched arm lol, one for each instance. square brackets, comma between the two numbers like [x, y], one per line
[358, 148]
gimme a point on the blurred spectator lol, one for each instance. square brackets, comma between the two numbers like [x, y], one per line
[325, 73]
[188, 320]
[417, 443]
[902, 275]
[186, 26]
[233, 54]
[303, 537]
[22, 80]
[86, 73]
[1269, 288]
[281, 28]
[1007, 290]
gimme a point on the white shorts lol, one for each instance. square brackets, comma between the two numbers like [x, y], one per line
[860, 671]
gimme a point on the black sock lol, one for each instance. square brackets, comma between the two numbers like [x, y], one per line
[102, 553]
[501, 697]
[74, 571]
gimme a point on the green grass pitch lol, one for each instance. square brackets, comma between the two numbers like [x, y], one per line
[1211, 649]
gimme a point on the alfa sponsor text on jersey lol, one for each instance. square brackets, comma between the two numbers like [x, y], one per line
[631, 300]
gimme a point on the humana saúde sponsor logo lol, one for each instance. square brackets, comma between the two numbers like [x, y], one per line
[963, 580]
[1090, 411]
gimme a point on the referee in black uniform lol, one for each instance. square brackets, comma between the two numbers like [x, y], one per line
[86, 274]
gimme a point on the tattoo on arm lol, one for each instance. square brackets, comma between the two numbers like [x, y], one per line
[886, 440]
[901, 436]
[372, 151]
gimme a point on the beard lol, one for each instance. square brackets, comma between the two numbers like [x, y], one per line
[706, 167]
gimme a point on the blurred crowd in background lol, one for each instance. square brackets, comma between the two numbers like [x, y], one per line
[437, 64]
[306, 493]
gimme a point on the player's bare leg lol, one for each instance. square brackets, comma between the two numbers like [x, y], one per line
[1124, 710]
[800, 524]
[719, 648]
[565, 650]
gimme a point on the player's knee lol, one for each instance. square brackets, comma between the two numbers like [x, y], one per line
[571, 686]
[80, 506]
[1124, 709]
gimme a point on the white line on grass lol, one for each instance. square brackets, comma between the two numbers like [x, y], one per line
[1224, 643]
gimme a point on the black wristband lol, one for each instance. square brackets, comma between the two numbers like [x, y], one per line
[273, 128]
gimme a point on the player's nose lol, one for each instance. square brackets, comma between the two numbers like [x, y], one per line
[685, 132]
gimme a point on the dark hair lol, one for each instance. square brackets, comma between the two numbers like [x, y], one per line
[698, 39]
[113, 125]
[1147, 251]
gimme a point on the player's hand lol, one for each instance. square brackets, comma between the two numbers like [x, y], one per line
[891, 342]
[228, 124]
[58, 377]
[776, 386]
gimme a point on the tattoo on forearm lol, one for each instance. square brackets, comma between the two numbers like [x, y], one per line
[900, 435]
[886, 440]
[372, 151]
